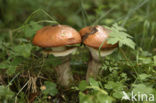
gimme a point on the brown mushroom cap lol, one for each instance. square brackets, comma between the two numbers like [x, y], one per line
[96, 36]
[54, 36]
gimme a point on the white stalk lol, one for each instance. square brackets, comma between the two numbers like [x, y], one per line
[93, 69]
[64, 74]
[95, 64]
[103, 53]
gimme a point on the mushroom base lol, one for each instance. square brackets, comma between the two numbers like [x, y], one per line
[64, 74]
[93, 69]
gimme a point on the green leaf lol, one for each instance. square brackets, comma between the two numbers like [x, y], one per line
[4, 65]
[142, 88]
[11, 65]
[118, 35]
[144, 76]
[117, 86]
[118, 94]
[11, 70]
[5, 93]
[101, 98]
[50, 88]
[30, 29]
[83, 85]
[97, 97]
[16, 61]
[23, 50]
[85, 98]
[146, 60]
[93, 82]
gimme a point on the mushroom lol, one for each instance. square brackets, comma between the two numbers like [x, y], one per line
[93, 37]
[58, 38]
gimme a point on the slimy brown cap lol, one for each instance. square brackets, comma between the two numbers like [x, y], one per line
[54, 36]
[94, 36]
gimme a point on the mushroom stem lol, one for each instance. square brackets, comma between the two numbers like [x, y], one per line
[94, 65]
[65, 76]
[63, 71]
[93, 69]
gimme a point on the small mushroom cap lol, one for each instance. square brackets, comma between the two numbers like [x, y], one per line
[94, 36]
[54, 36]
